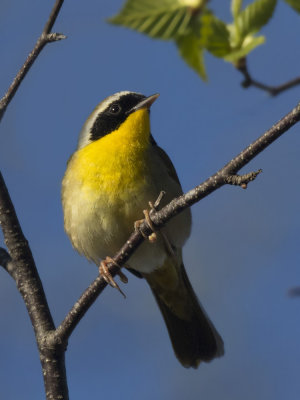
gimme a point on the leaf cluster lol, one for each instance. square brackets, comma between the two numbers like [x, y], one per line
[194, 27]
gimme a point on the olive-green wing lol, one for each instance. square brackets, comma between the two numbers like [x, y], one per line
[166, 159]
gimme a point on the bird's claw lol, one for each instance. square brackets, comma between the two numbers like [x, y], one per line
[152, 238]
[104, 272]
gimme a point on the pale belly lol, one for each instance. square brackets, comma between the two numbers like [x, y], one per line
[98, 223]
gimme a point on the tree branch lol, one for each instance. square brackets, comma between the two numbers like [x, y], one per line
[226, 175]
[45, 37]
[21, 266]
[272, 90]
[19, 262]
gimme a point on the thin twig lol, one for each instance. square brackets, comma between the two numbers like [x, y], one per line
[272, 90]
[52, 17]
[45, 37]
[177, 205]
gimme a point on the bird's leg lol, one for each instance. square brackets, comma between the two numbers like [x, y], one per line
[104, 272]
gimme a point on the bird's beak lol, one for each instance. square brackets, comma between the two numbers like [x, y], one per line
[145, 103]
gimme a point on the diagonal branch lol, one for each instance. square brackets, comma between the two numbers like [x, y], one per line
[45, 37]
[272, 90]
[226, 175]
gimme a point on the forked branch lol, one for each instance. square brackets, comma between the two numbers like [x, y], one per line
[272, 90]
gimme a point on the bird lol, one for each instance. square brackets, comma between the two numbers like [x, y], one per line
[116, 170]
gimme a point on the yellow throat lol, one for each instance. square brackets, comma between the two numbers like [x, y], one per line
[118, 160]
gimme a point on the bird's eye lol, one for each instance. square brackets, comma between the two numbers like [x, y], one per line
[115, 109]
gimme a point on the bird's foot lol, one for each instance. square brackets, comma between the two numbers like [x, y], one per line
[153, 207]
[104, 272]
[152, 238]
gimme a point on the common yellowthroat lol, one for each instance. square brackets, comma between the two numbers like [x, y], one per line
[110, 179]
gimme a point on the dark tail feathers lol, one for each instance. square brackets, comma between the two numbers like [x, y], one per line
[194, 339]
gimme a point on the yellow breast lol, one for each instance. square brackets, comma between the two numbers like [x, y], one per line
[117, 163]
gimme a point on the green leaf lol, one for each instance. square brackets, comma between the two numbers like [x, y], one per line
[236, 6]
[295, 4]
[249, 44]
[191, 51]
[254, 17]
[163, 19]
[215, 35]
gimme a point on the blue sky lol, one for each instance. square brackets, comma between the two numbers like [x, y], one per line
[243, 254]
